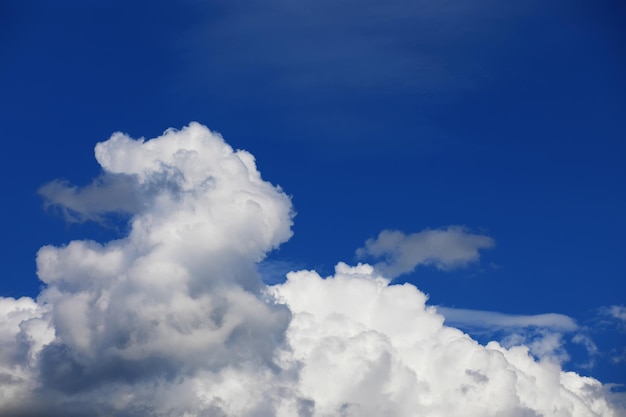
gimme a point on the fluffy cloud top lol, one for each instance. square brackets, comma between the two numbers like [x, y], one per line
[367, 348]
[174, 320]
[447, 248]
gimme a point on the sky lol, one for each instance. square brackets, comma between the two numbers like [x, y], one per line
[431, 160]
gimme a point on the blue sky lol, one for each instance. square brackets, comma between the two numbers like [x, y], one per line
[504, 118]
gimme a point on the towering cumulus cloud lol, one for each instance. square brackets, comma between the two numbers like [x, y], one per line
[174, 320]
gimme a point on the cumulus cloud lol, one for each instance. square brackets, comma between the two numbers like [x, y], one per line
[176, 298]
[174, 320]
[448, 248]
[368, 348]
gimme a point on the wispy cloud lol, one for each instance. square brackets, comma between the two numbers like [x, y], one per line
[543, 334]
[617, 312]
[612, 320]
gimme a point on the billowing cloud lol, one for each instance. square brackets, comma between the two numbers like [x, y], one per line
[174, 320]
[147, 309]
[446, 249]
[370, 348]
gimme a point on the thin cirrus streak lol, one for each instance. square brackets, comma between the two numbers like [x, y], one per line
[479, 318]
[174, 320]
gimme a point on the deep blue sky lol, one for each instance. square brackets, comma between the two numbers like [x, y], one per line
[506, 118]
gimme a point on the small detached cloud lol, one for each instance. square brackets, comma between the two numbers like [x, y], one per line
[173, 319]
[446, 249]
[495, 320]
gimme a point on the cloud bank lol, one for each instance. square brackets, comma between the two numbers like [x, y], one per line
[174, 320]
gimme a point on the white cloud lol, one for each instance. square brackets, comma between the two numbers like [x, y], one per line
[173, 319]
[446, 249]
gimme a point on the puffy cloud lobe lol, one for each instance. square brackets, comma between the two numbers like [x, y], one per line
[173, 320]
[24, 330]
[446, 249]
[367, 348]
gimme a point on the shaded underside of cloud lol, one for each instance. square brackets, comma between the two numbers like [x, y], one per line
[174, 320]
[108, 194]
